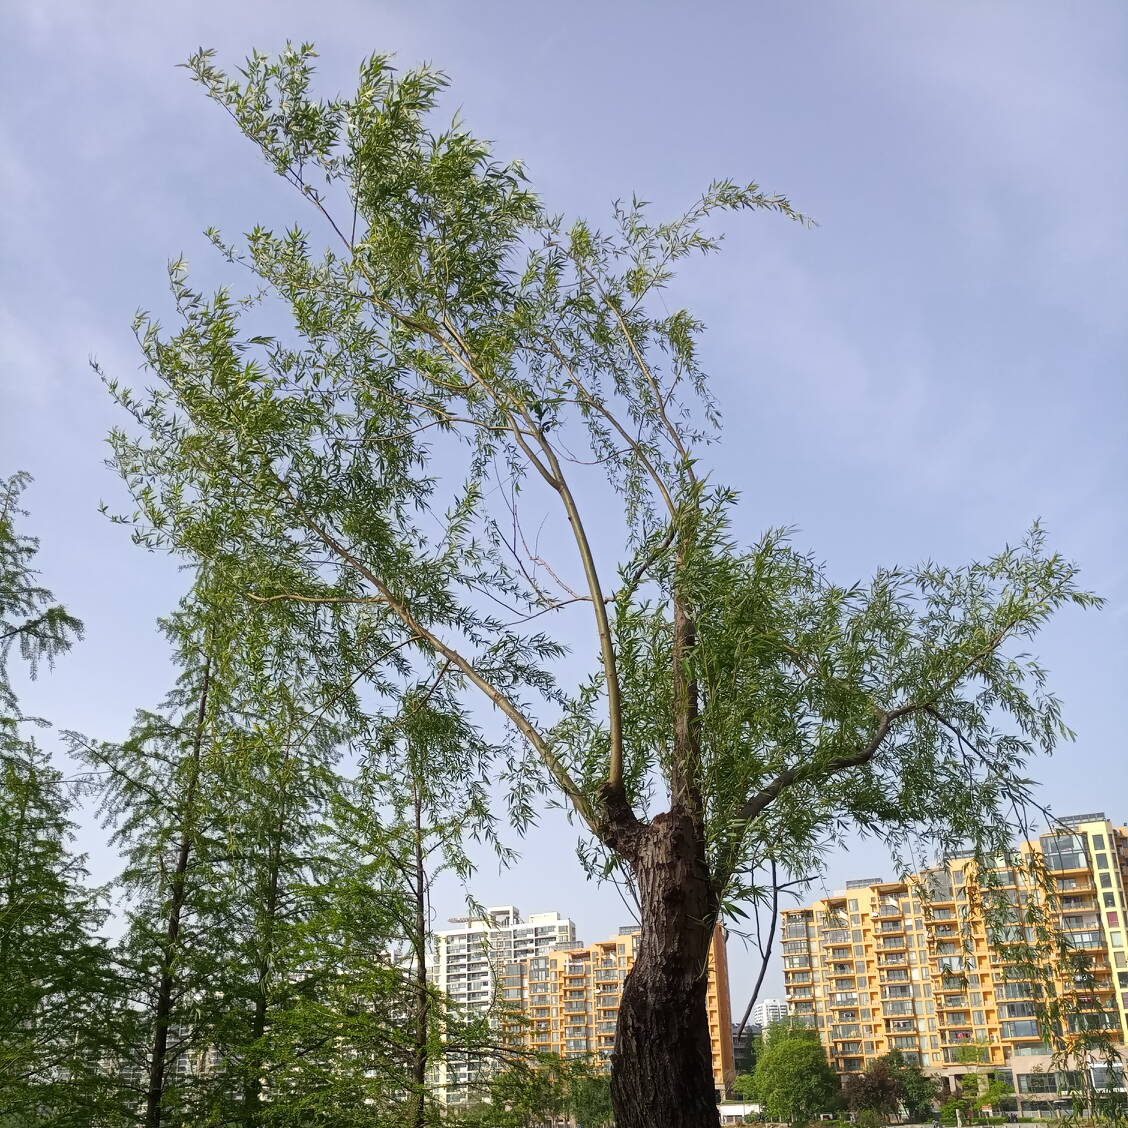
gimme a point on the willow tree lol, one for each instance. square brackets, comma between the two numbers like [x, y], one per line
[483, 430]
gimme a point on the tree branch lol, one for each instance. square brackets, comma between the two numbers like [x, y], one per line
[523, 724]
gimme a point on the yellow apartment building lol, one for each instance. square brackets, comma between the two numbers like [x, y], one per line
[571, 998]
[906, 965]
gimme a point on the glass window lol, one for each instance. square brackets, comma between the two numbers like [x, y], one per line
[1106, 880]
[853, 906]
[1037, 1082]
[1063, 851]
[1102, 861]
[1098, 841]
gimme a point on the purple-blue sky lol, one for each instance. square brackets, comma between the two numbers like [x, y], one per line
[937, 363]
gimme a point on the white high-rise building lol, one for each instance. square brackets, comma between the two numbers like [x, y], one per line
[767, 1011]
[466, 963]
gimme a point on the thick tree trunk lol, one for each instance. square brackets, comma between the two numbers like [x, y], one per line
[662, 1072]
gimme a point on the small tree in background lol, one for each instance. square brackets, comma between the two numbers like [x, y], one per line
[877, 1089]
[917, 1091]
[793, 1080]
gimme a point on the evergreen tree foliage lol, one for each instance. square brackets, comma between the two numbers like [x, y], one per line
[52, 966]
[793, 1080]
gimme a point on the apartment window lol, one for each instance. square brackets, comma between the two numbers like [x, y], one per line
[1113, 920]
[1037, 1082]
[853, 906]
[1122, 978]
[1063, 851]
[1098, 841]
[1109, 900]
[1102, 861]
[1026, 1028]
[1118, 959]
[1106, 880]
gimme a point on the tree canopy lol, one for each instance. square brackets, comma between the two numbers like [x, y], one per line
[793, 1080]
[374, 431]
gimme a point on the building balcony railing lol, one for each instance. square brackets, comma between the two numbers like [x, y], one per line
[955, 1018]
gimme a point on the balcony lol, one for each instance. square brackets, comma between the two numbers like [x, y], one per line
[892, 959]
[897, 1007]
[1073, 885]
[836, 936]
[956, 1018]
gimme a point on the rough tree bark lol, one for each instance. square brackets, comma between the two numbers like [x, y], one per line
[662, 1071]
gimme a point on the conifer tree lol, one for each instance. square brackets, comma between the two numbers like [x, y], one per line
[52, 964]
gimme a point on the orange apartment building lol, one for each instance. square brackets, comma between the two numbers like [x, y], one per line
[571, 998]
[881, 967]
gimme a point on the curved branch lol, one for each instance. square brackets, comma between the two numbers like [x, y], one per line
[523, 724]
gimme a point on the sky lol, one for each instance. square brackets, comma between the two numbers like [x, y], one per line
[937, 363]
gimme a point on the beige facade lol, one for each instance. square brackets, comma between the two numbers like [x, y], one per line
[571, 998]
[886, 966]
